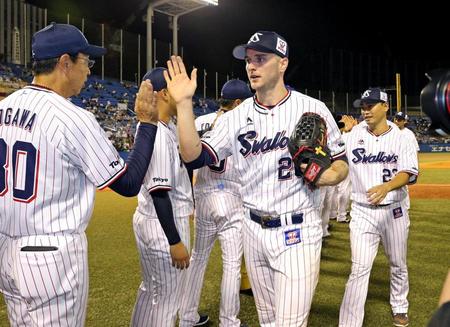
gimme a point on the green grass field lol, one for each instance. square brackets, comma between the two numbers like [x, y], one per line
[115, 272]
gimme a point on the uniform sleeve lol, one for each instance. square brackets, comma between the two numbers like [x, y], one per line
[86, 145]
[160, 172]
[217, 142]
[407, 161]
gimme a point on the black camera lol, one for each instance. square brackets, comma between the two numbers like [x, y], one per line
[435, 101]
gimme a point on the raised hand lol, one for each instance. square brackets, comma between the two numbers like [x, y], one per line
[145, 104]
[180, 86]
[349, 122]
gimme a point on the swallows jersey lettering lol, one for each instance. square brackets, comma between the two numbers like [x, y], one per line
[380, 157]
[250, 144]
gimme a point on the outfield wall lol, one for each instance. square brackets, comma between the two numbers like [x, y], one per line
[435, 147]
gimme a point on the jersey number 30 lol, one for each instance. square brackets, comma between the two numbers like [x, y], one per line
[25, 165]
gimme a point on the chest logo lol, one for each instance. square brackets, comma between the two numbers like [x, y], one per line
[251, 145]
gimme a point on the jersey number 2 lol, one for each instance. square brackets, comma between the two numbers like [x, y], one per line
[285, 167]
[388, 174]
[25, 165]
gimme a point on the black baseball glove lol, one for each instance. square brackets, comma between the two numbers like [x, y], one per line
[308, 145]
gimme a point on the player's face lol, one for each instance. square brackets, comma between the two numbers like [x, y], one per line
[400, 123]
[264, 70]
[373, 114]
[79, 73]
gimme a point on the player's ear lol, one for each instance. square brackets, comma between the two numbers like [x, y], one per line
[165, 95]
[64, 61]
[284, 62]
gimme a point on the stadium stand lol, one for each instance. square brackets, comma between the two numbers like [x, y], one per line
[112, 103]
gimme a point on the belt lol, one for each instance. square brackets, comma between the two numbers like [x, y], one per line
[375, 205]
[274, 222]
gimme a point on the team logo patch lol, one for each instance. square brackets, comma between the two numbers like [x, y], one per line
[397, 212]
[292, 237]
[281, 46]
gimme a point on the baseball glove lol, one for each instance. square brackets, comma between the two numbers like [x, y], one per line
[308, 145]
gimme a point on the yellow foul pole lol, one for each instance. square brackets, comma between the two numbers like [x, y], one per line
[399, 92]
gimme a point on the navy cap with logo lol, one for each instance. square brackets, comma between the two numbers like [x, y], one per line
[264, 41]
[55, 40]
[235, 89]
[371, 96]
[156, 77]
[401, 116]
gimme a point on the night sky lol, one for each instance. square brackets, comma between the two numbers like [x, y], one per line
[381, 28]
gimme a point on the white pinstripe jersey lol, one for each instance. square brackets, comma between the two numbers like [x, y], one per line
[257, 137]
[53, 155]
[166, 172]
[374, 160]
[218, 177]
[410, 135]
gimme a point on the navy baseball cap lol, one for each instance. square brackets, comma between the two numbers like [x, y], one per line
[371, 96]
[156, 77]
[235, 89]
[55, 40]
[401, 116]
[264, 41]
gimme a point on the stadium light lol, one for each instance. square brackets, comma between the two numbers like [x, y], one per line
[211, 2]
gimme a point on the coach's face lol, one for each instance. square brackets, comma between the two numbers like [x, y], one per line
[79, 72]
[264, 70]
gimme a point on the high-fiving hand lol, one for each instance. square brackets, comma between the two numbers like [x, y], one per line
[145, 104]
[181, 87]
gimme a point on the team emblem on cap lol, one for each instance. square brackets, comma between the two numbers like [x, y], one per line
[366, 94]
[281, 46]
[254, 38]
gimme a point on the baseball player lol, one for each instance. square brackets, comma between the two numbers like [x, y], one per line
[381, 163]
[401, 119]
[343, 191]
[282, 230]
[329, 197]
[218, 215]
[161, 221]
[53, 156]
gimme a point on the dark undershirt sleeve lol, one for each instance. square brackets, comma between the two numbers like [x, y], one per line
[163, 208]
[129, 183]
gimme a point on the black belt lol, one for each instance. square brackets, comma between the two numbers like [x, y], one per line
[274, 222]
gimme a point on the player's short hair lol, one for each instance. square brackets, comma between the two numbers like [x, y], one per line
[226, 103]
[46, 66]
